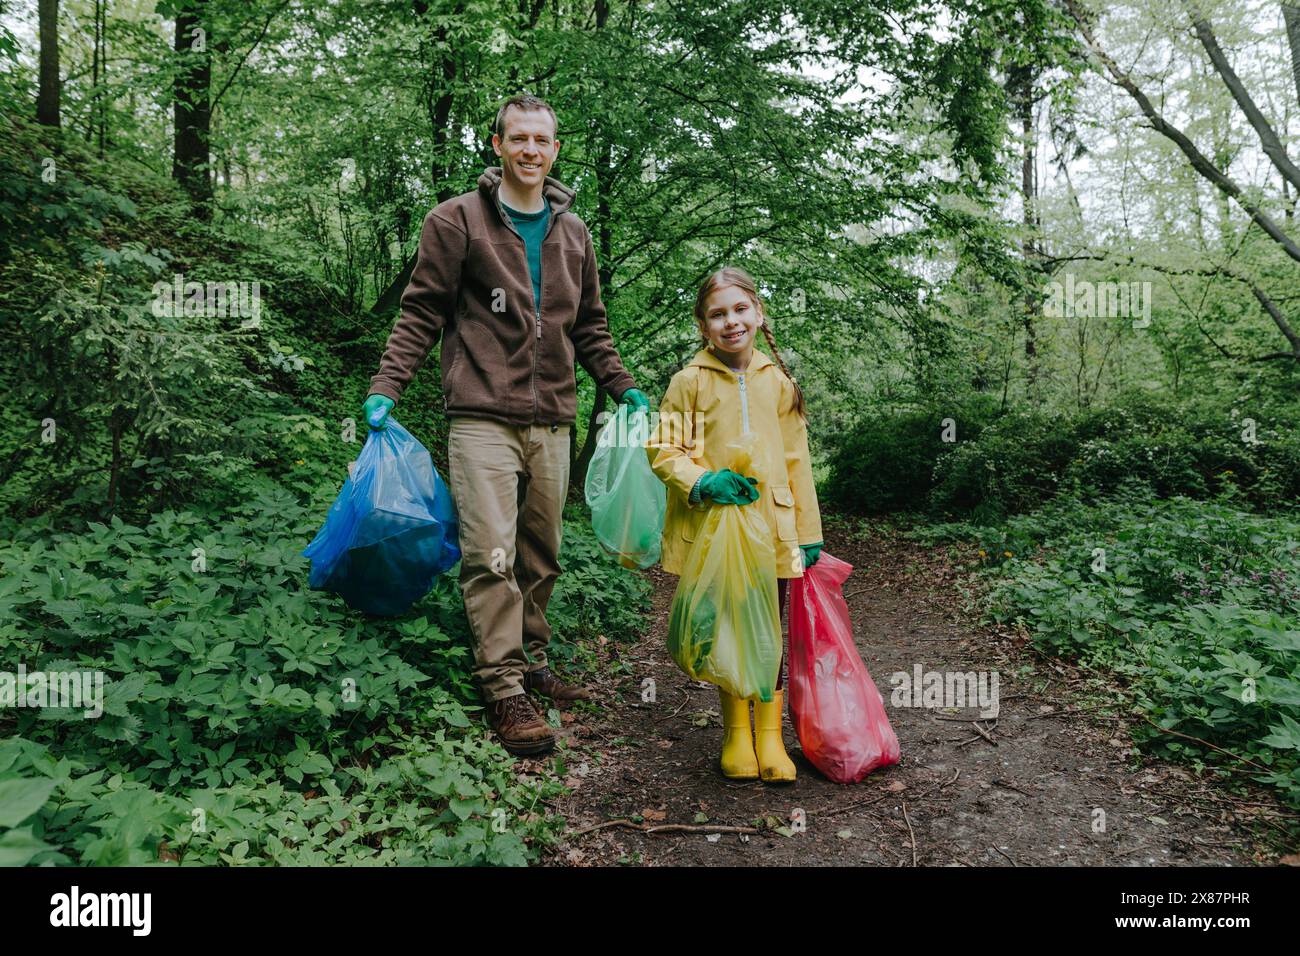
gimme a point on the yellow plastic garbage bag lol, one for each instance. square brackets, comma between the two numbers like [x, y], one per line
[724, 626]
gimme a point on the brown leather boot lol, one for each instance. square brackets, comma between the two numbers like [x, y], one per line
[519, 727]
[548, 685]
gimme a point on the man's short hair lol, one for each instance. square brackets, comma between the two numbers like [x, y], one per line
[524, 101]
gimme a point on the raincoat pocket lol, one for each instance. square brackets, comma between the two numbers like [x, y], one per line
[785, 522]
[690, 524]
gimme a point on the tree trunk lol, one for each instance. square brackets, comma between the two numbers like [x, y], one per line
[578, 468]
[391, 297]
[115, 422]
[192, 109]
[438, 101]
[95, 121]
[439, 119]
[1209, 171]
[1021, 83]
[1291, 16]
[47, 95]
[101, 105]
[439, 106]
[1268, 138]
[604, 254]
[94, 78]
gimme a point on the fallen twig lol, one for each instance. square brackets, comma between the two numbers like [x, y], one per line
[1265, 811]
[1199, 842]
[1002, 783]
[984, 733]
[662, 828]
[885, 796]
[1013, 862]
[911, 835]
[1069, 712]
[851, 806]
[1206, 794]
[686, 699]
[1165, 730]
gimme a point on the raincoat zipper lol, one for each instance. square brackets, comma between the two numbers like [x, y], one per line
[744, 405]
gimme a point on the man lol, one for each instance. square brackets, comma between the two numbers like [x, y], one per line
[508, 272]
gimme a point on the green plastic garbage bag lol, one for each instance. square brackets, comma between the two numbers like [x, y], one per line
[627, 499]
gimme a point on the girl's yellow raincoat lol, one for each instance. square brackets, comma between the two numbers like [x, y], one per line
[708, 405]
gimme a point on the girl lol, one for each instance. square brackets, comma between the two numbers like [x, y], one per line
[728, 389]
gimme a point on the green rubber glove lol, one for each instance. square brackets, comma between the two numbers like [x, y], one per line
[811, 552]
[728, 488]
[376, 410]
[636, 398]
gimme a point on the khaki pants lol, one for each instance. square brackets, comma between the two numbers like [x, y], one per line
[509, 483]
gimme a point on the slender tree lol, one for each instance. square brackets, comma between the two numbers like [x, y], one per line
[1215, 171]
[192, 108]
[47, 96]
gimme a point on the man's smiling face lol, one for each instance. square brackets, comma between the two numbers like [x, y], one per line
[528, 148]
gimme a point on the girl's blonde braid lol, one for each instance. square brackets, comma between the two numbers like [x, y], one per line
[798, 392]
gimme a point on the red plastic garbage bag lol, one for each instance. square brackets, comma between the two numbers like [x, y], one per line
[838, 713]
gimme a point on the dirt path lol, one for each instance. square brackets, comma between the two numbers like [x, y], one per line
[1028, 800]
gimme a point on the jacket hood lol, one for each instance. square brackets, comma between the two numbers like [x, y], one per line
[560, 196]
[705, 358]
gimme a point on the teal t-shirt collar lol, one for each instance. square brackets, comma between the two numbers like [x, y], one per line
[531, 227]
[528, 216]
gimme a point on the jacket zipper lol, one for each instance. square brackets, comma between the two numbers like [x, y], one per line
[541, 294]
[537, 320]
[537, 305]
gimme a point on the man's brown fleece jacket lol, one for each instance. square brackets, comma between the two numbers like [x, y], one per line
[504, 356]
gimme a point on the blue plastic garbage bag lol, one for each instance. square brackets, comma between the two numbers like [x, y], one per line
[391, 530]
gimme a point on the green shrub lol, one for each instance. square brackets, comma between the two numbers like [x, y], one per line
[1198, 602]
[205, 455]
[885, 461]
[1008, 464]
[276, 710]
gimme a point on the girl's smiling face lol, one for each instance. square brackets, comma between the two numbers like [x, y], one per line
[730, 322]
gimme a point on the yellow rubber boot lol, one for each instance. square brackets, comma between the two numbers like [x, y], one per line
[738, 759]
[774, 764]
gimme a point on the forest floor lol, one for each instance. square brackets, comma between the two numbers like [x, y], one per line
[1026, 797]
